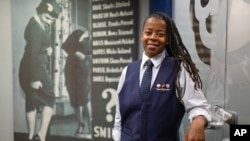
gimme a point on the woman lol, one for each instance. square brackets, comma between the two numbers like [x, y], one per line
[175, 88]
[34, 69]
[78, 77]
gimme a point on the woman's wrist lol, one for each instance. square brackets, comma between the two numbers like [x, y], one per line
[201, 120]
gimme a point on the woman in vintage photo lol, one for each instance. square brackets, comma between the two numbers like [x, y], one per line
[34, 74]
[78, 78]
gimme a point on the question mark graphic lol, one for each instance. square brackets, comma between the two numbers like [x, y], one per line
[111, 102]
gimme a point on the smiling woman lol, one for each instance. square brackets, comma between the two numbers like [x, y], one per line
[143, 114]
[154, 37]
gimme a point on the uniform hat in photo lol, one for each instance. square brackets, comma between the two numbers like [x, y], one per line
[50, 6]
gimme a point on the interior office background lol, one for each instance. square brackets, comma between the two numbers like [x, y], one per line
[230, 64]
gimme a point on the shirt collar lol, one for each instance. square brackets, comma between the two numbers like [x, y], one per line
[156, 60]
[39, 21]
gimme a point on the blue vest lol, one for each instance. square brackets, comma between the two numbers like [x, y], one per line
[159, 115]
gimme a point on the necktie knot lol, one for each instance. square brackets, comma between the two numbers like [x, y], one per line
[149, 63]
[46, 27]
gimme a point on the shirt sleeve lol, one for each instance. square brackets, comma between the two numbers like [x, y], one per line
[116, 132]
[193, 99]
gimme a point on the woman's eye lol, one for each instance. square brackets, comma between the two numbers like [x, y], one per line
[147, 32]
[160, 34]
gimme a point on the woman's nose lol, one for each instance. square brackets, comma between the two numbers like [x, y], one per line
[153, 36]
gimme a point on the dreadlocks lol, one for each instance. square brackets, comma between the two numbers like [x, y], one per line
[177, 49]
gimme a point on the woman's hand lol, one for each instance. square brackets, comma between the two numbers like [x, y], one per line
[49, 51]
[196, 131]
[80, 55]
[36, 85]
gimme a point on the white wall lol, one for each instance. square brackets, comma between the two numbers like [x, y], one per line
[6, 97]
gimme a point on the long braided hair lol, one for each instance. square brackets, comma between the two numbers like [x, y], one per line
[177, 49]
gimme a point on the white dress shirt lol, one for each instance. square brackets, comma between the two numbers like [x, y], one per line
[194, 101]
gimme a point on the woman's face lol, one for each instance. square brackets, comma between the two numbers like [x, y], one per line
[47, 19]
[154, 36]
